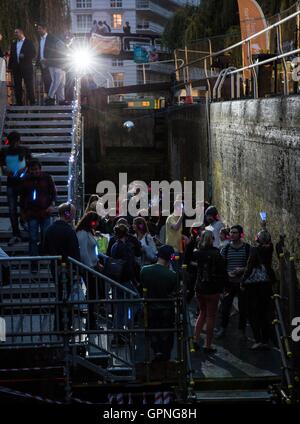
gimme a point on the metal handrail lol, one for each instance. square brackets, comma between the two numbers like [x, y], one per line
[244, 41]
[75, 194]
[104, 277]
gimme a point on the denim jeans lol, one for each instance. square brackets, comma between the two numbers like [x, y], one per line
[12, 200]
[33, 228]
[125, 312]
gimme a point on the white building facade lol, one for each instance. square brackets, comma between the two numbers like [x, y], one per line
[144, 17]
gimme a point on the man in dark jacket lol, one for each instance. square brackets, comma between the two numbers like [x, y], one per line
[22, 53]
[37, 200]
[61, 240]
[60, 237]
[46, 45]
[52, 56]
[14, 159]
[159, 282]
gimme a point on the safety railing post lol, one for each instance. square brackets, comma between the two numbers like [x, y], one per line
[66, 332]
[146, 333]
[238, 86]
[292, 287]
[281, 274]
[280, 50]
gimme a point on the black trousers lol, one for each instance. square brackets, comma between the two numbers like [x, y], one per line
[46, 79]
[258, 300]
[226, 305]
[26, 74]
[95, 291]
[162, 342]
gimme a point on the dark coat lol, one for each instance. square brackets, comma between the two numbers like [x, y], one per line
[260, 255]
[53, 52]
[61, 240]
[211, 273]
[25, 63]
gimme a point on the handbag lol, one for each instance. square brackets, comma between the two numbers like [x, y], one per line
[113, 268]
[77, 294]
[150, 251]
[258, 275]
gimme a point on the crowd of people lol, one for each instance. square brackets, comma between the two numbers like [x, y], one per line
[215, 262]
[51, 58]
[102, 28]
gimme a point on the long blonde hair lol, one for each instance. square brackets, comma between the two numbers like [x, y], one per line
[207, 239]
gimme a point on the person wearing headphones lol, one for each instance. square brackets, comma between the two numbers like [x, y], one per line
[214, 224]
[14, 159]
[236, 255]
[60, 238]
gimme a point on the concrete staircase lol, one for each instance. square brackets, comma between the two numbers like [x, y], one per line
[46, 131]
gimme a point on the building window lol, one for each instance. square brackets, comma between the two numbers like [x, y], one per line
[116, 3]
[118, 78]
[117, 21]
[83, 4]
[117, 62]
[84, 22]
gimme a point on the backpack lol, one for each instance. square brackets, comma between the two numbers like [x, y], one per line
[150, 254]
[207, 273]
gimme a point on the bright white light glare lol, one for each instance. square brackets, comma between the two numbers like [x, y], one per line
[82, 60]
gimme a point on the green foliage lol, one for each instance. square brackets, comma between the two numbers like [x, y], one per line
[26, 13]
[210, 18]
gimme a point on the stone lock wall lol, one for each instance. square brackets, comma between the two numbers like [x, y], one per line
[255, 150]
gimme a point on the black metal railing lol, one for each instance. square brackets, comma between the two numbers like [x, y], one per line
[49, 303]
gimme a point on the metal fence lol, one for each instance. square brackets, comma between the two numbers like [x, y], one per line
[268, 73]
[49, 303]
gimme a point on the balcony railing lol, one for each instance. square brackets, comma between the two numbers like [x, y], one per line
[150, 27]
[153, 7]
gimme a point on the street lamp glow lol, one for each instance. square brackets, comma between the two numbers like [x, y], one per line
[82, 60]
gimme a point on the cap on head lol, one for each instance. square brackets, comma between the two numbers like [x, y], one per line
[211, 211]
[165, 252]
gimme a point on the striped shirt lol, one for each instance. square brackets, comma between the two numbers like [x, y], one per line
[235, 257]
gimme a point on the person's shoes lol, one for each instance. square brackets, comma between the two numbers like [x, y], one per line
[256, 346]
[209, 350]
[14, 240]
[64, 103]
[50, 102]
[220, 333]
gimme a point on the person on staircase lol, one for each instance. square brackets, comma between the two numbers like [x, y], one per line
[85, 231]
[55, 56]
[46, 44]
[13, 160]
[61, 240]
[22, 53]
[37, 203]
